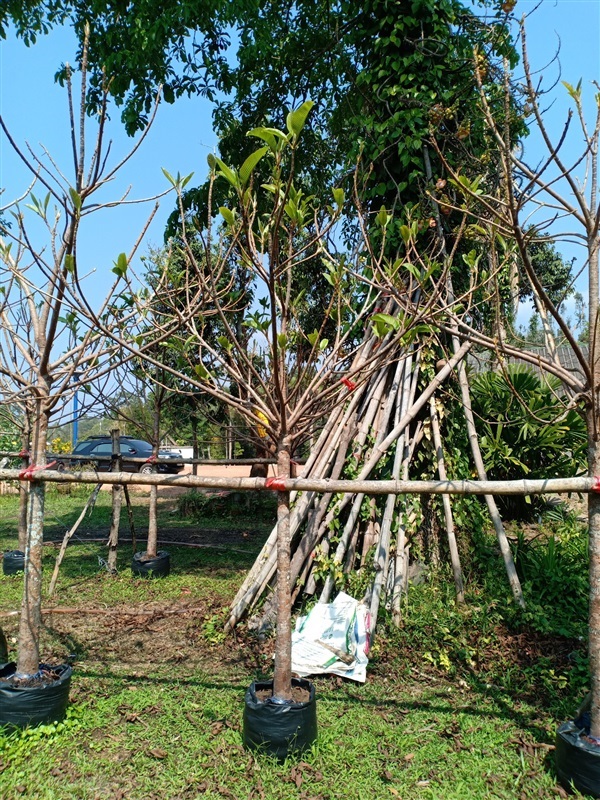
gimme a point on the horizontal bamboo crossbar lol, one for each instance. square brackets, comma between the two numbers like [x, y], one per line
[582, 485]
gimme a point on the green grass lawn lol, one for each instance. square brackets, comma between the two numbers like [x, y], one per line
[458, 704]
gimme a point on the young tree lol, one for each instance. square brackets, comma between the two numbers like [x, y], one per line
[50, 347]
[284, 379]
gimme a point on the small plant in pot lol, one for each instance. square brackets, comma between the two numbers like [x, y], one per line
[276, 342]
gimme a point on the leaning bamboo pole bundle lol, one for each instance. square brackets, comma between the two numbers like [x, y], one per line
[372, 405]
[366, 401]
[332, 439]
[381, 426]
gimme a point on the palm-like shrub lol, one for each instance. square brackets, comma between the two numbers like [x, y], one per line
[527, 430]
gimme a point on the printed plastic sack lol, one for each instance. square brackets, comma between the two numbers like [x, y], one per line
[333, 638]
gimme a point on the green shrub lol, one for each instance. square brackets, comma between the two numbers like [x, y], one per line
[525, 432]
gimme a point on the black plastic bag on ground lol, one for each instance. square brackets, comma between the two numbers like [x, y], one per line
[13, 561]
[158, 567]
[279, 729]
[21, 706]
[577, 759]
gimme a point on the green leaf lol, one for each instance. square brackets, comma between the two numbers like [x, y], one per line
[386, 320]
[169, 177]
[338, 197]
[229, 174]
[323, 344]
[75, 198]
[228, 215]
[313, 337]
[282, 340]
[120, 267]
[574, 91]
[405, 233]
[184, 181]
[245, 170]
[266, 135]
[201, 372]
[383, 218]
[296, 119]
[211, 160]
[70, 263]
[224, 342]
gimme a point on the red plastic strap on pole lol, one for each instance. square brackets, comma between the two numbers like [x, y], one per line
[350, 385]
[151, 460]
[27, 474]
[24, 454]
[596, 483]
[277, 484]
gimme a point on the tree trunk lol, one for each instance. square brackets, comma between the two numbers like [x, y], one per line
[117, 500]
[195, 455]
[593, 421]
[594, 608]
[28, 662]
[152, 544]
[282, 677]
[23, 491]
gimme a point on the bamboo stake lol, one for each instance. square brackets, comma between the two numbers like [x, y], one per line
[68, 535]
[452, 546]
[581, 485]
[382, 554]
[509, 564]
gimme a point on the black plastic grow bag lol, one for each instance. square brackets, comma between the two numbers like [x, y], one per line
[279, 729]
[33, 705]
[158, 567]
[577, 759]
[13, 562]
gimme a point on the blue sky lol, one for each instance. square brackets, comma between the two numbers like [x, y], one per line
[35, 110]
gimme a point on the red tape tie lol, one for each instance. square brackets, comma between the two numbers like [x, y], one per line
[596, 483]
[27, 474]
[24, 454]
[350, 385]
[277, 484]
[151, 460]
